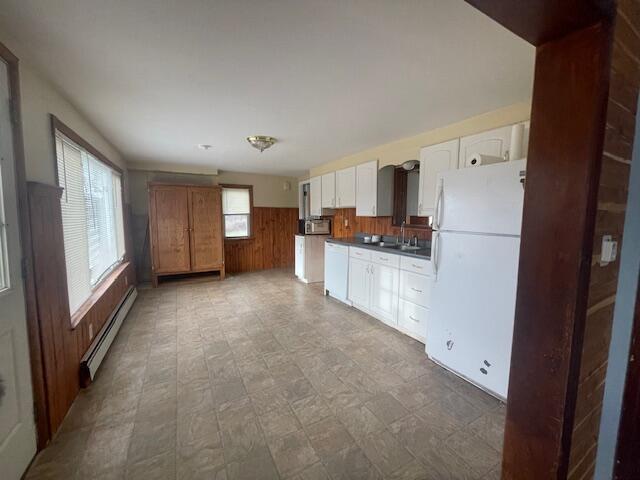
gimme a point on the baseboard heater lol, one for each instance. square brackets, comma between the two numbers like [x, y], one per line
[100, 346]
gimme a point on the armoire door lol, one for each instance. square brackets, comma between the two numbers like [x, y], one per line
[206, 228]
[169, 212]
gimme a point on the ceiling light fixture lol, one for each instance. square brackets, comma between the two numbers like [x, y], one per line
[205, 146]
[261, 142]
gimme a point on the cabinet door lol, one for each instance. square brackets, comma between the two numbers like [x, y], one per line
[205, 215]
[367, 189]
[299, 256]
[329, 190]
[316, 196]
[169, 213]
[346, 188]
[384, 293]
[493, 142]
[359, 282]
[433, 160]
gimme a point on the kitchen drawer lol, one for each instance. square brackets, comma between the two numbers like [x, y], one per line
[361, 253]
[413, 319]
[416, 265]
[384, 258]
[415, 288]
[334, 247]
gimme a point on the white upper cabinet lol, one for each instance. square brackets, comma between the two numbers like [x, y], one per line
[367, 189]
[329, 190]
[495, 143]
[315, 204]
[346, 188]
[433, 160]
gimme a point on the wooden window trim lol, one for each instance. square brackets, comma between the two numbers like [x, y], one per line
[57, 124]
[99, 290]
[250, 236]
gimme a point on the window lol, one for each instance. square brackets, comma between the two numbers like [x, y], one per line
[236, 207]
[91, 218]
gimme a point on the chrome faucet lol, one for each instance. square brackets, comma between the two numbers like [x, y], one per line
[402, 232]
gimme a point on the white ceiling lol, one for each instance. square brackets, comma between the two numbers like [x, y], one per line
[326, 77]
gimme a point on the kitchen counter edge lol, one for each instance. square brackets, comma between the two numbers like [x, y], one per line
[352, 242]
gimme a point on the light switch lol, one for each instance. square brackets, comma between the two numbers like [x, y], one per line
[609, 250]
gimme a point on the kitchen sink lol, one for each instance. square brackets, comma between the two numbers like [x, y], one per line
[397, 246]
[410, 248]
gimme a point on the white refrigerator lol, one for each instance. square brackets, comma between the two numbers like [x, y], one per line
[474, 253]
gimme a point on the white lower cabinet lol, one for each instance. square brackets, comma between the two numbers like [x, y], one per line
[393, 288]
[384, 293]
[359, 282]
[412, 319]
[310, 258]
[300, 256]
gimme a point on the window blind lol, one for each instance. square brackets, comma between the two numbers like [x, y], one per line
[91, 218]
[236, 208]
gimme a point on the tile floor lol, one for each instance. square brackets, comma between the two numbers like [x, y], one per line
[261, 377]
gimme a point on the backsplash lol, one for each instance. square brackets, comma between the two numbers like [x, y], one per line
[373, 225]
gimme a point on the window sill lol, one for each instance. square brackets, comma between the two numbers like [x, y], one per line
[97, 294]
[237, 239]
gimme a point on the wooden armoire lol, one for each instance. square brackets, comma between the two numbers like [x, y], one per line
[185, 229]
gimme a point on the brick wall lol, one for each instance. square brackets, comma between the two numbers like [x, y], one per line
[612, 198]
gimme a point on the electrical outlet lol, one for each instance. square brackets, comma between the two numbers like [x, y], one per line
[609, 250]
[346, 222]
[90, 331]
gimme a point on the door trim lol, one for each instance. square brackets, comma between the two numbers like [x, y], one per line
[41, 413]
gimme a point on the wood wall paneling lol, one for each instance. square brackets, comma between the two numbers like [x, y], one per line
[346, 224]
[63, 345]
[271, 244]
[564, 159]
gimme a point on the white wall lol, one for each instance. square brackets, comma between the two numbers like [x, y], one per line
[39, 99]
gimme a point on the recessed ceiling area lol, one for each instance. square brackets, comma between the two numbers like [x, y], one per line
[326, 78]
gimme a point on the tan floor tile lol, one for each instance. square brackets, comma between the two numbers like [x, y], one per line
[293, 453]
[261, 376]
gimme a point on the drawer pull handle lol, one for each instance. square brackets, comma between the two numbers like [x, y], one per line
[384, 259]
[416, 266]
[414, 319]
[416, 290]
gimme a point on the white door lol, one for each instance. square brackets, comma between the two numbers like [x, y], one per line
[366, 189]
[433, 160]
[495, 143]
[299, 256]
[385, 286]
[329, 190]
[17, 427]
[315, 204]
[346, 187]
[470, 323]
[359, 282]
[486, 199]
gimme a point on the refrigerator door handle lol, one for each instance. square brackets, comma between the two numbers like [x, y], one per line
[434, 254]
[437, 211]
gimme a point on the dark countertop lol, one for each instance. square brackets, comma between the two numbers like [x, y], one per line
[423, 253]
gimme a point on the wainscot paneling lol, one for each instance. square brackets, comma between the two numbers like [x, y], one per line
[345, 223]
[271, 244]
[64, 340]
